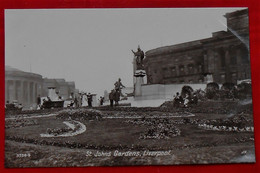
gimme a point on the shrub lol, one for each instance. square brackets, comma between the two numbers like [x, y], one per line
[186, 90]
[244, 90]
[212, 90]
[227, 91]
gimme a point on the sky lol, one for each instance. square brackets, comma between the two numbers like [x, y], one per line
[93, 46]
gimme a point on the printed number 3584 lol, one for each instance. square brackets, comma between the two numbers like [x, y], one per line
[23, 155]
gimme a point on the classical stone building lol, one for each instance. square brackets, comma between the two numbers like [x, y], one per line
[22, 86]
[224, 56]
[25, 87]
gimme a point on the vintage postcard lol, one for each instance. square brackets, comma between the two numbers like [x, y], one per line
[119, 87]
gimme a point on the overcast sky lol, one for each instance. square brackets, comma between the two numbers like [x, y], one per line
[93, 46]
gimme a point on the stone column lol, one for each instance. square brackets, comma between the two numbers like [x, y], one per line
[186, 71]
[211, 55]
[227, 57]
[33, 92]
[28, 93]
[238, 55]
[15, 90]
[227, 61]
[177, 70]
[11, 90]
[205, 58]
[19, 91]
[6, 91]
[22, 92]
[36, 91]
[25, 94]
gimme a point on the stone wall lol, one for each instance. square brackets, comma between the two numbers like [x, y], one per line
[167, 91]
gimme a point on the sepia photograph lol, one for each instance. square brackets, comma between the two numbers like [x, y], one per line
[127, 87]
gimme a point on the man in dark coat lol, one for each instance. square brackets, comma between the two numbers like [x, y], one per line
[111, 97]
[89, 97]
[101, 100]
[38, 100]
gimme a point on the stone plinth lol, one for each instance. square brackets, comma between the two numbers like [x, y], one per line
[208, 78]
[139, 75]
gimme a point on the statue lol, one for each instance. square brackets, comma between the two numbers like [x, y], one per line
[119, 85]
[139, 71]
[116, 93]
[139, 58]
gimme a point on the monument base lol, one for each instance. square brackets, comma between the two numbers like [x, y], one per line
[140, 73]
[138, 86]
[208, 78]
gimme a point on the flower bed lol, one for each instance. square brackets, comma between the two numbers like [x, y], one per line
[14, 123]
[74, 128]
[217, 107]
[79, 114]
[157, 128]
[32, 112]
[236, 123]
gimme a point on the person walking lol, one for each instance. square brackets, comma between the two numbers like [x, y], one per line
[89, 98]
[111, 98]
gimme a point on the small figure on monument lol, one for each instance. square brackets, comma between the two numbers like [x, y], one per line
[139, 54]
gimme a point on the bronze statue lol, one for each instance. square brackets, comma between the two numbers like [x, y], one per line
[119, 85]
[139, 54]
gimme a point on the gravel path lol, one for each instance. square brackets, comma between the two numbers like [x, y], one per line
[33, 116]
[82, 129]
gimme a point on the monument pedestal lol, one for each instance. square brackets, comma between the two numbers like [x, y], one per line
[208, 78]
[139, 75]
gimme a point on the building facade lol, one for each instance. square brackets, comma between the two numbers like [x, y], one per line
[224, 57]
[63, 88]
[22, 86]
[25, 87]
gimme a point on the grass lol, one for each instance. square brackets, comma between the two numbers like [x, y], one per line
[193, 146]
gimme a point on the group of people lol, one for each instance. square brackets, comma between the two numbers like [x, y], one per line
[13, 106]
[186, 101]
[114, 96]
[84, 96]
